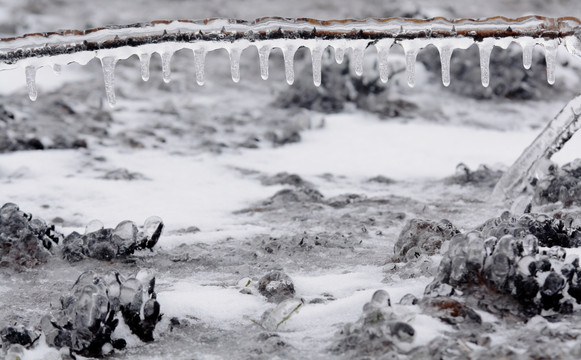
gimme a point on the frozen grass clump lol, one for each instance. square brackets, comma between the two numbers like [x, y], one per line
[105, 244]
[24, 241]
[504, 268]
[377, 332]
[423, 237]
[562, 184]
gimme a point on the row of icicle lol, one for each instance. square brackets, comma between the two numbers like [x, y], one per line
[411, 47]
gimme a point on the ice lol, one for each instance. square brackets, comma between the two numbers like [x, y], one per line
[532, 162]
[57, 68]
[288, 53]
[485, 48]
[30, 72]
[383, 47]
[316, 58]
[358, 50]
[94, 225]
[411, 49]
[151, 225]
[339, 53]
[551, 58]
[528, 45]
[144, 60]
[446, 47]
[263, 55]
[166, 66]
[234, 54]
[199, 64]
[108, 64]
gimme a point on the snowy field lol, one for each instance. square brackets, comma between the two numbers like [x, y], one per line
[254, 177]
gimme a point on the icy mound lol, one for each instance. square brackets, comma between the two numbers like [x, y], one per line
[502, 269]
[24, 241]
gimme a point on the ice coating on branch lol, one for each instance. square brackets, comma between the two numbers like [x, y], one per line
[166, 66]
[144, 60]
[288, 53]
[263, 56]
[108, 64]
[383, 47]
[30, 72]
[201, 36]
[199, 64]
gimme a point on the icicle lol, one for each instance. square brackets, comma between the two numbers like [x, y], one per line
[357, 54]
[30, 72]
[166, 66]
[445, 57]
[199, 64]
[485, 48]
[316, 56]
[339, 54]
[235, 63]
[528, 45]
[411, 49]
[57, 68]
[144, 65]
[288, 53]
[551, 59]
[383, 47]
[264, 55]
[573, 45]
[108, 64]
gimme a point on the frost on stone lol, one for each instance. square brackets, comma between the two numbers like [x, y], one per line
[106, 244]
[423, 237]
[513, 266]
[24, 241]
[379, 331]
[89, 316]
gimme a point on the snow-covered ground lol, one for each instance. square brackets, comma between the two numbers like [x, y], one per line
[183, 143]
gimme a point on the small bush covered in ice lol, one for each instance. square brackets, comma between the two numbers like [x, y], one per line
[423, 237]
[562, 184]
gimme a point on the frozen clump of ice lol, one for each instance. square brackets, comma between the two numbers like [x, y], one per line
[423, 237]
[378, 331]
[560, 184]
[276, 286]
[17, 336]
[24, 241]
[483, 176]
[449, 310]
[89, 316]
[504, 264]
[106, 244]
[549, 231]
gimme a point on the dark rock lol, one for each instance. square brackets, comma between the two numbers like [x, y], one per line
[424, 235]
[123, 174]
[276, 286]
[17, 335]
[285, 178]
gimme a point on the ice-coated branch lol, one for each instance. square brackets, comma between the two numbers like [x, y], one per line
[531, 162]
[113, 43]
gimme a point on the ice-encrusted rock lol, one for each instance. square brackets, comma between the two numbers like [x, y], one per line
[89, 316]
[378, 331]
[423, 237]
[483, 176]
[560, 184]
[24, 241]
[17, 335]
[503, 266]
[276, 286]
[106, 244]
